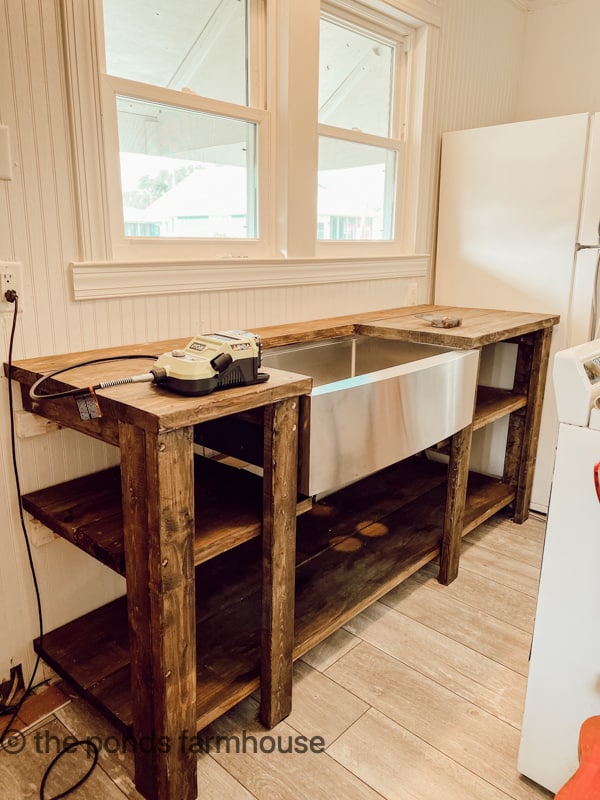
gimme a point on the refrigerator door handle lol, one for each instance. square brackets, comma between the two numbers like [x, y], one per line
[597, 479]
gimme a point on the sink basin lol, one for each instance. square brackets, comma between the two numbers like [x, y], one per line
[374, 402]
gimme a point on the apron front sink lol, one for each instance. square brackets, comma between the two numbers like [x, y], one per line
[374, 402]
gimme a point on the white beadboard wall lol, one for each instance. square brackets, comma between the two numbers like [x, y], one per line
[481, 44]
[480, 50]
[561, 60]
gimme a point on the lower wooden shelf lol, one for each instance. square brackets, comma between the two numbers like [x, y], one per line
[352, 548]
[87, 511]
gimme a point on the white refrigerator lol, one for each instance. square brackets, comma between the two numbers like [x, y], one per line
[518, 229]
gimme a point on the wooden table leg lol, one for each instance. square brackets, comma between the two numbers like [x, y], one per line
[158, 517]
[458, 474]
[524, 426]
[279, 549]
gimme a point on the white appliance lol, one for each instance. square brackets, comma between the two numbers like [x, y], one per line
[563, 687]
[519, 209]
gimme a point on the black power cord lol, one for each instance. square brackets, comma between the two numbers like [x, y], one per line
[154, 375]
[17, 706]
[91, 746]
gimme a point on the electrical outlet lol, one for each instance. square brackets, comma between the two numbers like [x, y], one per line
[10, 278]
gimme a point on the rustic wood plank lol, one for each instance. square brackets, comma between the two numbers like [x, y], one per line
[379, 556]
[516, 424]
[479, 327]
[158, 518]
[458, 474]
[90, 648]
[87, 511]
[350, 510]
[278, 562]
[533, 372]
[493, 404]
[144, 405]
[485, 497]
[65, 413]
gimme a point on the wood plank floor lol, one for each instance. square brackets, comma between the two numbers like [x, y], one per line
[418, 698]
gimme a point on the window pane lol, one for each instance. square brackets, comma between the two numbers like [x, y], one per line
[355, 80]
[356, 191]
[185, 173]
[186, 45]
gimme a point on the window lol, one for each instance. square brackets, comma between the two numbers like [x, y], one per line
[251, 129]
[361, 107]
[182, 99]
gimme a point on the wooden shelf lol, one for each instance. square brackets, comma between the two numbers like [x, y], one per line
[493, 404]
[381, 529]
[87, 511]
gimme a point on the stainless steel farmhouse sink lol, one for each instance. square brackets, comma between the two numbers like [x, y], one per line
[374, 402]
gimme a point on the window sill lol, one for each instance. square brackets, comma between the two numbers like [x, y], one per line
[99, 280]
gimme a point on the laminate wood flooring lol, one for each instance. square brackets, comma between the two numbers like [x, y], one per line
[419, 697]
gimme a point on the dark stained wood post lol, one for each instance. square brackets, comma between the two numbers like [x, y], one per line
[279, 550]
[158, 521]
[524, 425]
[458, 475]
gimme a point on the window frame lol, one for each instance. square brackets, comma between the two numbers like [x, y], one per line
[100, 271]
[397, 34]
[111, 86]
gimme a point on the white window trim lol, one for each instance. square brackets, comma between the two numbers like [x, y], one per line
[99, 275]
[105, 280]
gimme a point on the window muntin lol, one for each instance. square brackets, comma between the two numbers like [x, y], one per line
[180, 44]
[186, 173]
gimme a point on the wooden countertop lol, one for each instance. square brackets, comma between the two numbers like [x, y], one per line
[153, 408]
[480, 326]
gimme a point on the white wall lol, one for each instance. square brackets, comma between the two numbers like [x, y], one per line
[561, 63]
[480, 46]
